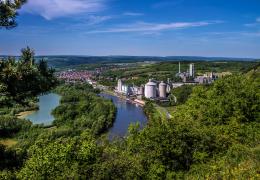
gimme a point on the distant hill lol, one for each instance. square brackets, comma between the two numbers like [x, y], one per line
[63, 61]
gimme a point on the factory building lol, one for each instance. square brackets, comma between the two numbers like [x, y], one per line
[202, 80]
[190, 73]
[140, 91]
[162, 90]
[123, 88]
[150, 89]
[207, 78]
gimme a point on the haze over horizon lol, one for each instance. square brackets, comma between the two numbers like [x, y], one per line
[130, 27]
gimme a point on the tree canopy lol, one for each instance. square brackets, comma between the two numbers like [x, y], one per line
[24, 78]
[8, 12]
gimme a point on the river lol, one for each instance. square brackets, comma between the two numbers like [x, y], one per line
[46, 104]
[127, 113]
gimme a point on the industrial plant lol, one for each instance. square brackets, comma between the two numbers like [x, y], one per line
[158, 90]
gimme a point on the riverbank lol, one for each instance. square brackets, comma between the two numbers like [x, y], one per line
[112, 93]
[162, 111]
[24, 114]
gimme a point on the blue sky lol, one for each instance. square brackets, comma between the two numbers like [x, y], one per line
[228, 28]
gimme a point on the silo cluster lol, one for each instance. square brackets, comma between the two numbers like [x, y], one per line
[151, 90]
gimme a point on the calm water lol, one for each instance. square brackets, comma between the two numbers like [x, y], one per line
[46, 104]
[127, 113]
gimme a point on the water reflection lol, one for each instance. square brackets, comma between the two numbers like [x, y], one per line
[46, 104]
[127, 113]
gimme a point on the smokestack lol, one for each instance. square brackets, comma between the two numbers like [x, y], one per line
[179, 67]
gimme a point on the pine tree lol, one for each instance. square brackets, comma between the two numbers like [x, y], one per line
[8, 12]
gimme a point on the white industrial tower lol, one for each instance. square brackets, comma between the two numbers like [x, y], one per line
[192, 70]
[119, 85]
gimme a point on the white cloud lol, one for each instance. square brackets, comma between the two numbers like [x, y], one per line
[153, 27]
[133, 14]
[234, 34]
[50, 9]
[97, 19]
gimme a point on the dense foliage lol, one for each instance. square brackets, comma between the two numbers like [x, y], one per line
[11, 125]
[24, 78]
[180, 95]
[215, 134]
[8, 12]
[82, 109]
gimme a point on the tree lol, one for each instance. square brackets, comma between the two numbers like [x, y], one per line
[181, 94]
[28, 56]
[24, 78]
[61, 158]
[8, 12]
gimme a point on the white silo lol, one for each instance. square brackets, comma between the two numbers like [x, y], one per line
[150, 89]
[119, 85]
[162, 90]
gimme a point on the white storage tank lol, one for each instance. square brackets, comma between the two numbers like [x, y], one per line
[162, 90]
[150, 89]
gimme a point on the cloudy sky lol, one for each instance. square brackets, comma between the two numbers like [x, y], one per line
[228, 28]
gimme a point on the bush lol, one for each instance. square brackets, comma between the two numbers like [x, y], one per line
[10, 125]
